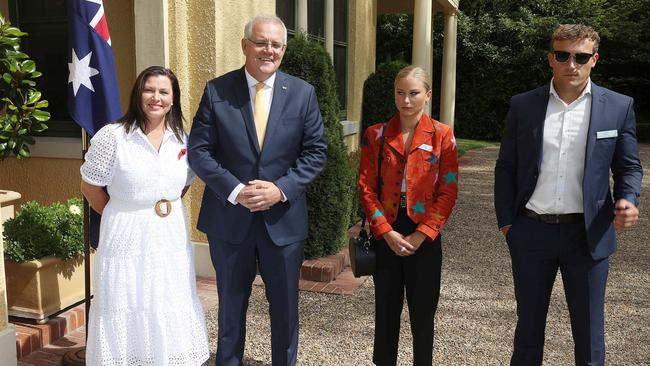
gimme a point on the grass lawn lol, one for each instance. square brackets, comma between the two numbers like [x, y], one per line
[465, 145]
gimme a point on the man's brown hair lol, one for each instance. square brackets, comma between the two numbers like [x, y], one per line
[573, 32]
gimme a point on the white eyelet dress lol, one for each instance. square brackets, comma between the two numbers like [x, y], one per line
[145, 309]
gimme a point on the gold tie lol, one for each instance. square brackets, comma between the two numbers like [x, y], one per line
[259, 111]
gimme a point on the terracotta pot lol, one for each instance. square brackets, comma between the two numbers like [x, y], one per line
[40, 288]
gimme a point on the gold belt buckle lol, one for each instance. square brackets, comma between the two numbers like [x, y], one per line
[167, 207]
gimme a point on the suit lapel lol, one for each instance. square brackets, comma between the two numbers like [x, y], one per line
[280, 90]
[538, 115]
[244, 99]
[596, 122]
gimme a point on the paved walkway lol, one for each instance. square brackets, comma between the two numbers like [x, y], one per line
[476, 316]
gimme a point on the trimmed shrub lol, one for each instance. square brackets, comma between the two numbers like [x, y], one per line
[378, 101]
[354, 159]
[330, 195]
[41, 231]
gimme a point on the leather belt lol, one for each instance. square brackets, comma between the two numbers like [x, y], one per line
[572, 218]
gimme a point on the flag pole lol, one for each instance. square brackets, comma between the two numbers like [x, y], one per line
[77, 356]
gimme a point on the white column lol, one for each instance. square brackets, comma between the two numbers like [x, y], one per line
[448, 88]
[422, 54]
[329, 27]
[302, 16]
[151, 34]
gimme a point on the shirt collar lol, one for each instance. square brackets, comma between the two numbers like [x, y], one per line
[137, 131]
[252, 82]
[585, 91]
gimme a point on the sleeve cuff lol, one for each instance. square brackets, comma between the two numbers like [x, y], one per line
[430, 233]
[379, 230]
[232, 198]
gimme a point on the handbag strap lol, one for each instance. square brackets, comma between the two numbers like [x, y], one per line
[380, 158]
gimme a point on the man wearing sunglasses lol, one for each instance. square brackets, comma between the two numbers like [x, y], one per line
[552, 194]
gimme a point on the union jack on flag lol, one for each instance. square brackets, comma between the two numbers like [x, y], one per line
[93, 98]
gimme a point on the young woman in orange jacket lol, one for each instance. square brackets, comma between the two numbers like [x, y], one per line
[419, 186]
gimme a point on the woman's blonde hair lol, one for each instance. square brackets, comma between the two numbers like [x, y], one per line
[415, 72]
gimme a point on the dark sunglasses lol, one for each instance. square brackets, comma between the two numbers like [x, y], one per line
[580, 58]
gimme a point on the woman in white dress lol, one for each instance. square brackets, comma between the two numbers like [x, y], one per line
[145, 309]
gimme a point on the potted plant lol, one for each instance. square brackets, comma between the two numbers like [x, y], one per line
[44, 259]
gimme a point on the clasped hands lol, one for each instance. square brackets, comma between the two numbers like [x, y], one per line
[259, 195]
[404, 246]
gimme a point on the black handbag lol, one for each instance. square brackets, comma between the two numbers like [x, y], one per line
[363, 255]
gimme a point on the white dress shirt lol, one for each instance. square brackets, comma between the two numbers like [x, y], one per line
[267, 93]
[559, 186]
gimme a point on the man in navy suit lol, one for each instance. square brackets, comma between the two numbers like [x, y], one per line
[552, 194]
[257, 141]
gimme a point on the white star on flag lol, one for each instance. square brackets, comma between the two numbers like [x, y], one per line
[81, 72]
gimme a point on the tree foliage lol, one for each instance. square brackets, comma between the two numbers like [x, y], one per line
[330, 195]
[21, 107]
[502, 47]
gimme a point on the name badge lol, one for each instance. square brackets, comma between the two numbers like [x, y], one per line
[425, 147]
[606, 134]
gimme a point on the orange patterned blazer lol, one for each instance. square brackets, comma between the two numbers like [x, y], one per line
[431, 175]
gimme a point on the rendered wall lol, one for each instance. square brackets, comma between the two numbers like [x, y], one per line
[205, 42]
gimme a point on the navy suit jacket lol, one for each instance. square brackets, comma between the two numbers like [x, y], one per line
[224, 151]
[520, 157]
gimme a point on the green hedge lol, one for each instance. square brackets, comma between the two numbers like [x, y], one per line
[330, 195]
[354, 159]
[378, 103]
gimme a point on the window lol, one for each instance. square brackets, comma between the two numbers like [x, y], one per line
[46, 22]
[340, 56]
[286, 10]
[316, 18]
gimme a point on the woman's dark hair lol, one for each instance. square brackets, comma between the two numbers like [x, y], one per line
[135, 116]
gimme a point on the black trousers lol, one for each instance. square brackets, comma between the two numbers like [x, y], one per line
[419, 275]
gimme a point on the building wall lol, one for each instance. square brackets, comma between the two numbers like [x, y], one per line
[46, 179]
[204, 42]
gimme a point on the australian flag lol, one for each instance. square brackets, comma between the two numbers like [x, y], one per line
[93, 98]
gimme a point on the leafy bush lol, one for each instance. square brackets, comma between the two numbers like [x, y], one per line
[378, 103]
[42, 231]
[354, 159]
[330, 195]
[19, 99]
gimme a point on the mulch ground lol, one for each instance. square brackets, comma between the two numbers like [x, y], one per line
[476, 315]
